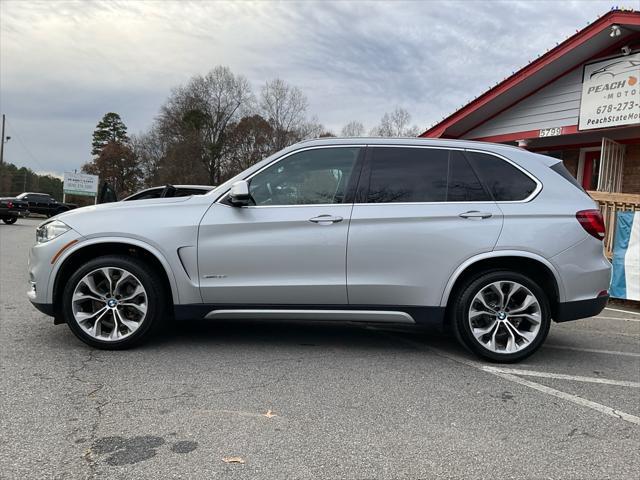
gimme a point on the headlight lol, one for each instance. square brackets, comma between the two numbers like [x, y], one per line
[51, 230]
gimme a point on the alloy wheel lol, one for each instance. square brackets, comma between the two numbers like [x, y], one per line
[109, 303]
[505, 317]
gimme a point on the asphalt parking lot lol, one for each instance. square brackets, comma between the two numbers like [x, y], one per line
[309, 401]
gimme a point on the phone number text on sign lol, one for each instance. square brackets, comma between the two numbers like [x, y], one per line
[610, 93]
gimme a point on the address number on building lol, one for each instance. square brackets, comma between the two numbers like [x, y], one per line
[550, 132]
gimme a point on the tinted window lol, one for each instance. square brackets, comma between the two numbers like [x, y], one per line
[464, 185]
[561, 170]
[503, 180]
[185, 192]
[408, 175]
[147, 194]
[305, 178]
[422, 175]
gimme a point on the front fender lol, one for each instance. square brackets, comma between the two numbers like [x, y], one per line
[123, 240]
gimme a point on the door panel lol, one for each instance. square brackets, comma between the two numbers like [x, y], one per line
[291, 247]
[421, 212]
[273, 255]
[404, 254]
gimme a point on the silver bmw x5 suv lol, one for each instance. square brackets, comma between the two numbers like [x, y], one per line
[490, 241]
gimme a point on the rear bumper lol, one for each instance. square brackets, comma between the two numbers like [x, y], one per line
[581, 309]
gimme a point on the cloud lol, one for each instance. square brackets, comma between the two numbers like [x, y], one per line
[65, 64]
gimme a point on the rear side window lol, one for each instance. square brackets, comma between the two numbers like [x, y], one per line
[422, 175]
[464, 185]
[408, 175]
[504, 181]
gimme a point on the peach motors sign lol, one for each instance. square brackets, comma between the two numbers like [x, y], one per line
[610, 93]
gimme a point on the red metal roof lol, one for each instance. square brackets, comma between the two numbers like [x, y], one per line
[590, 42]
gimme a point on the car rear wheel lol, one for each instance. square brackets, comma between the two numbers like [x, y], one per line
[10, 221]
[113, 302]
[501, 316]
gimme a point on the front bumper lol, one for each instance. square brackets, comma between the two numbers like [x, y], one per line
[44, 261]
[580, 309]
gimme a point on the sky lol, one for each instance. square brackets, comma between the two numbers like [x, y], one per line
[64, 64]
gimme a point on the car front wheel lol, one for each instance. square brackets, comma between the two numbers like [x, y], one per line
[113, 302]
[501, 316]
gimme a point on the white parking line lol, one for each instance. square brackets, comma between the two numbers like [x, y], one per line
[571, 398]
[616, 318]
[592, 350]
[627, 417]
[622, 311]
[561, 376]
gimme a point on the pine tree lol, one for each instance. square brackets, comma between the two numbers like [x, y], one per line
[111, 129]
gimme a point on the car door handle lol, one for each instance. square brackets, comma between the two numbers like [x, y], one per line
[325, 219]
[475, 214]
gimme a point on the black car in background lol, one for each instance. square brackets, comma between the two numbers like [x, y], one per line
[44, 204]
[11, 209]
[170, 191]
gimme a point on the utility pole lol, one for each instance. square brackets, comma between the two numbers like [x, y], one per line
[2, 142]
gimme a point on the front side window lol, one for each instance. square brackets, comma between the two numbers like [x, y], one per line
[310, 177]
[505, 182]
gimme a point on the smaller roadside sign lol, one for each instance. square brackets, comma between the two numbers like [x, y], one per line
[80, 184]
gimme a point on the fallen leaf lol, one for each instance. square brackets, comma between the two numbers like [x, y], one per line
[232, 459]
[269, 414]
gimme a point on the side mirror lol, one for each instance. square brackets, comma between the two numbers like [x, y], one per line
[239, 195]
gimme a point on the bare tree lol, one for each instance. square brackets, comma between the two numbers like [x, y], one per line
[150, 148]
[284, 106]
[352, 129]
[395, 124]
[249, 141]
[200, 113]
[312, 128]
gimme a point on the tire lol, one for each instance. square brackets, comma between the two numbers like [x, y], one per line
[513, 337]
[10, 220]
[136, 313]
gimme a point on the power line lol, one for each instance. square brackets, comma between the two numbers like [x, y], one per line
[15, 134]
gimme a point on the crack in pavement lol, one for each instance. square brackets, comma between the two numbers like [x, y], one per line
[97, 409]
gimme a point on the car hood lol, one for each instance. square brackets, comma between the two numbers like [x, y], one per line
[137, 218]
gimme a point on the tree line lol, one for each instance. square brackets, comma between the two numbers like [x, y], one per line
[212, 128]
[15, 180]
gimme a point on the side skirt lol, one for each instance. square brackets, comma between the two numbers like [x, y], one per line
[393, 314]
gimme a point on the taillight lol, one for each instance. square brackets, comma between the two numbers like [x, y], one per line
[592, 222]
[9, 204]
